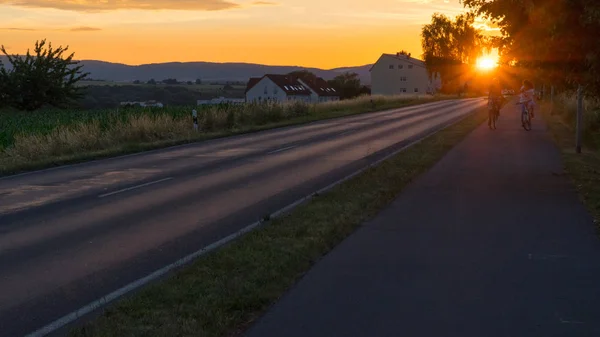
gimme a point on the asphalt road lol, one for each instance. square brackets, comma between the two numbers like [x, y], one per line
[492, 241]
[71, 235]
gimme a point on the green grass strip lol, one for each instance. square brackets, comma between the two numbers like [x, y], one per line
[583, 168]
[221, 293]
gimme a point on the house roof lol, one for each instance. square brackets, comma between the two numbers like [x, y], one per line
[402, 57]
[289, 84]
[319, 85]
[252, 82]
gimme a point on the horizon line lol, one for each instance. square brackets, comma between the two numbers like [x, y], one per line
[213, 62]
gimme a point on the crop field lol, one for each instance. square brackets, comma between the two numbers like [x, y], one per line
[30, 140]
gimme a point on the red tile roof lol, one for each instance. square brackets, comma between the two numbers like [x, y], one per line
[252, 82]
[288, 84]
[319, 85]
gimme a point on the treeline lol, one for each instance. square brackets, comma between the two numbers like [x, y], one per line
[198, 81]
[451, 48]
[551, 42]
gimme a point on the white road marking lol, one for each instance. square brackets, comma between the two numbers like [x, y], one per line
[99, 303]
[283, 149]
[134, 187]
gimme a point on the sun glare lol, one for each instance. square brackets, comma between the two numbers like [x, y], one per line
[486, 63]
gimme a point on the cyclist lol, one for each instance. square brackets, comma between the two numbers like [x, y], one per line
[526, 97]
[495, 100]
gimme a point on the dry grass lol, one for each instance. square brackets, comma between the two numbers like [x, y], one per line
[93, 139]
[565, 107]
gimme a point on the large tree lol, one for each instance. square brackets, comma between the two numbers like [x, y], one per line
[347, 84]
[451, 46]
[550, 40]
[44, 78]
[303, 74]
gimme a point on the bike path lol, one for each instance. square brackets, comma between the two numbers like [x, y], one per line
[492, 241]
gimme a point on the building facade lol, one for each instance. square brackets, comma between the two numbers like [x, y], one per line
[284, 88]
[401, 74]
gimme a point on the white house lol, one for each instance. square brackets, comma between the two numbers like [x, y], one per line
[397, 74]
[281, 88]
[276, 88]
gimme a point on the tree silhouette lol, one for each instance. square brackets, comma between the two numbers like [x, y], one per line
[448, 46]
[44, 78]
[553, 41]
[346, 84]
[303, 74]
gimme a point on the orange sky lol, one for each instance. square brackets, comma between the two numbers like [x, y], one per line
[312, 33]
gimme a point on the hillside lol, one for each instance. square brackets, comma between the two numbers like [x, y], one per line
[207, 71]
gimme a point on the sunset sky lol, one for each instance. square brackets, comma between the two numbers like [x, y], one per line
[312, 33]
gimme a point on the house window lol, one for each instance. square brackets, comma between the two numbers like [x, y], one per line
[402, 78]
[416, 89]
[400, 66]
[410, 66]
[391, 66]
[402, 89]
[266, 90]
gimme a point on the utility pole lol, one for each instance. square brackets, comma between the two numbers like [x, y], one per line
[579, 124]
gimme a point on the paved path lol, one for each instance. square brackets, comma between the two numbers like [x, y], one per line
[490, 242]
[71, 235]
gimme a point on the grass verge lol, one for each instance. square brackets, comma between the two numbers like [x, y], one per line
[50, 143]
[583, 168]
[221, 293]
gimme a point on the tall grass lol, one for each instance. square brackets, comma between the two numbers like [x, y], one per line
[31, 140]
[566, 106]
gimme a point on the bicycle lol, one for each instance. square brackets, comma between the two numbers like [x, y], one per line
[525, 116]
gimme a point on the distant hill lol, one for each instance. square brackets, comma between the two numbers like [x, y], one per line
[207, 71]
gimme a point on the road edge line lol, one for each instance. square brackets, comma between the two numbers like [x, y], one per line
[97, 304]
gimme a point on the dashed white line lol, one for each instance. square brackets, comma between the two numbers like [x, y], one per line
[134, 187]
[283, 149]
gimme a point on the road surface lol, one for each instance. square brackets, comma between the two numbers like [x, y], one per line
[492, 241]
[74, 234]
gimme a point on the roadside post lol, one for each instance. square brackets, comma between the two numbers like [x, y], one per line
[195, 119]
[579, 124]
[552, 100]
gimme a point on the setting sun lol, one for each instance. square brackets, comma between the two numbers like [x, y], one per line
[486, 63]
